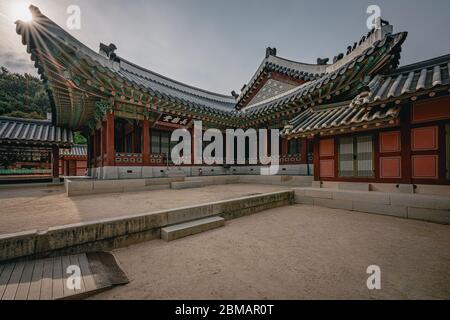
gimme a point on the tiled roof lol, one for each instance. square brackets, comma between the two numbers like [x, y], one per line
[372, 105]
[77, 150]
[340, 116]
[39, 132]
[304, 90]
[294, 69]
[149, 80]
[408, 81]
[45, 35]
[106, 72]
[311, 72]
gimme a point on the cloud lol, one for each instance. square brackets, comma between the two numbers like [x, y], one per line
[15, 62]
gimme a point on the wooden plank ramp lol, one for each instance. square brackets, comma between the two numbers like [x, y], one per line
[56, 278]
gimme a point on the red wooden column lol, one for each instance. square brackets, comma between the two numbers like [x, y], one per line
[95, 148]
[62, 167]
[405, 128]
[146, 142]
[304, 150]
[103, 143]
[316, 158]
[110, 147]
[90, 151]
[55, 158]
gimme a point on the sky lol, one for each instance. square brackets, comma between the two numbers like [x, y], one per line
[218, 45]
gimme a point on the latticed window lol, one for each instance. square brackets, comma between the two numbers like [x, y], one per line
[356, 157]
[364, 156]
[156, 142]
[346, 157]
[161, 142]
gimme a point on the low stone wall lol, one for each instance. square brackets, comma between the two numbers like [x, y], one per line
[441, 190]
[79, 187]
[108, 234]
[430, 208]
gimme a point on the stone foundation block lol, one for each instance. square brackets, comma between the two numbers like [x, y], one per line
[371, 207]
[438, 216]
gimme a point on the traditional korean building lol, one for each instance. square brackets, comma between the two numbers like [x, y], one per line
[357, 118]
[73, 161]
[30, 149]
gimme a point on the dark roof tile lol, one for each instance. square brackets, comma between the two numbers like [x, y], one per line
[33, 131]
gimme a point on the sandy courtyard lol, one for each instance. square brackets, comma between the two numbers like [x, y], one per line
[39, 208]
[297, 252]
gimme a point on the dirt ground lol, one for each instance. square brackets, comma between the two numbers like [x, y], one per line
[38, 208]
[297, 252]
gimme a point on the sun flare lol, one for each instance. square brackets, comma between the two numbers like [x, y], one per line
[20, 11]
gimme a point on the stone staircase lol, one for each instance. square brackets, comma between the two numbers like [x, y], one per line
[190, 228]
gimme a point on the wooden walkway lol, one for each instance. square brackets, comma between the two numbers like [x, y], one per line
[46, 279]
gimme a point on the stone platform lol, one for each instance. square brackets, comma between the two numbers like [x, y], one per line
[80, 187]
[108, 234]
[433, 208]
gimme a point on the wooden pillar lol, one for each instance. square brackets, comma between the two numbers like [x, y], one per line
[146, 142]
[55, 161]
[103, 144]
[91, 151]
[95, 147]
[284, 146]
[316, 158]
[304, 150]
[63, 167]
[110, 147]
[405, 121]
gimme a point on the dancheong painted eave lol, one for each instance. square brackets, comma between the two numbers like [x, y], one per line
[275, 65]
[78, 78]
[380, 104]
[339, 118]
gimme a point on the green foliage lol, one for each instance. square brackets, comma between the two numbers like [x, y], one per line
[22, 95]
[21, 114]
[79, 138]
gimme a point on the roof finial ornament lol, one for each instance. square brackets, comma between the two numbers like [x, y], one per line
[340, 56]
[234, 94]
[109, 51]
[271, 52]
[322, 62]
[384, 22]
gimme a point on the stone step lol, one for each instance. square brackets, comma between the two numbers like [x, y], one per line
[190, 228]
